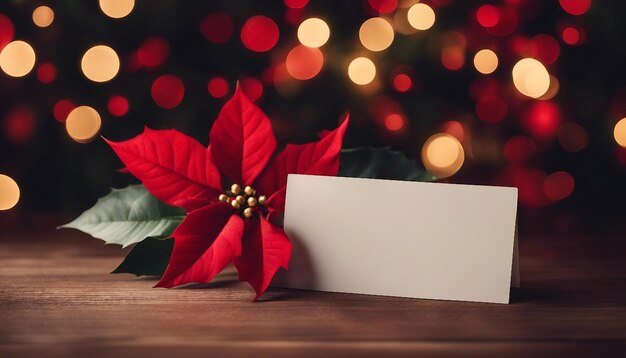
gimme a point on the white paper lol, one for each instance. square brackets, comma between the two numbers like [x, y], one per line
[398, 238]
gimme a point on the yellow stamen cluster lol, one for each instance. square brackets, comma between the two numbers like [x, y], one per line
[245, 199]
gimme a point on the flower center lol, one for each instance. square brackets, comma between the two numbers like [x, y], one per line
[244, 200]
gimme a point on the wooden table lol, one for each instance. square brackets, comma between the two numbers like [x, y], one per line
[57, 299]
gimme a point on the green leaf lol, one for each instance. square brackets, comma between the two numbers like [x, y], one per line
[380, 163]
[148, 257]
[126, 216]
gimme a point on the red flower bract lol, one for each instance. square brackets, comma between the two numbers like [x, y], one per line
[180, 171]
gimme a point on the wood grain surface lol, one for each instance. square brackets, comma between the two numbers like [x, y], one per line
[57, 299]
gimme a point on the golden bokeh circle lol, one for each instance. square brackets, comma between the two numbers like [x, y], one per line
[83, 124]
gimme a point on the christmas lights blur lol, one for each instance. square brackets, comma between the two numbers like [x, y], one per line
[43, 16]
[304, 52]
[100, 63]
[17, 59]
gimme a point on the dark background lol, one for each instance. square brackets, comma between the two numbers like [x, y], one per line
[59, 178]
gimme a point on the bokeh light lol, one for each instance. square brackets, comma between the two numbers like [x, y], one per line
[46, 73]
[383, 6]
[83, 124]
[100, 63]
[62, 109]
[19, 125]
[9, 192]
[376, 34]
[117, 9]
[153, 52]
[217, 27]
[486, 61]
[394, 122]
[43, 16]
[6, 30]
[304, 63]
[573, 137]
[313, 32]
[575, 7]
[570, 35]
[402, 82]
[506, 24]
[17, 59]
[553, 90]
[362, 71]
[421, 16]
[547, 48]
[453, 57]
[259, 33]
[543, 119]
[167, 91]
[488, 15]
[559, 185]
[295, 4]
[531, 78]
[619, 132]
[442, 155]
[118, 105]
[455, 129]
[218, 87]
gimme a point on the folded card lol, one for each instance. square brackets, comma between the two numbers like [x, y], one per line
[397, 238]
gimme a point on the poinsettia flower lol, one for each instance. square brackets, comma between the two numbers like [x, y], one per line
[227, 221]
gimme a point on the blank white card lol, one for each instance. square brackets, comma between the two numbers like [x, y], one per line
[399, 238]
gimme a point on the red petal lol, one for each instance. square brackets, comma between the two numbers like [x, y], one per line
[204, 243]
[265, 249]
[172, 166]
[242, 140]
[317, 158]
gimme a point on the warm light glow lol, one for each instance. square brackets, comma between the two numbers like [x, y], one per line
[100, 63]
[83, 124]
[421, 16]
[9, 192]
[304, 63]
[376, 34]
[362, 70]
[43, 16]
[531, 78]
[442, 155]
[619, 132]
[17, 59]
[486, 61]
[117, 8]
[313, 32]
